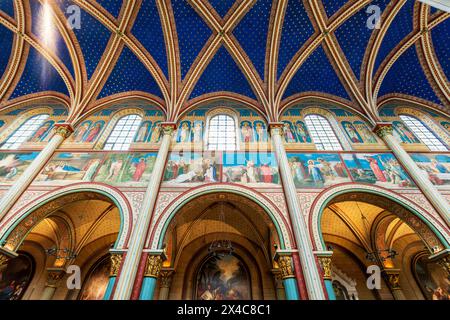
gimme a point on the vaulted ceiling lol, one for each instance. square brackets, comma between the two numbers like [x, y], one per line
[266, 54]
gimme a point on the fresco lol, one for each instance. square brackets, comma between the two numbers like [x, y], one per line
[94, 287]
[381, 169]
[144, 132]
[223, 277]
[15, 278]
[302, 132]
[13, 165]
[432, 279]
[250, 168]
[436, 166]
[364, 132]
[317, 170]
[43, 131]
[192, 167]
[184, 132]
[126, 169]
[289, 135]
[68, 166]
[87, 132]
[403, 133]
[445, 124]
[351, 132]
[156, 132]
[246, 131]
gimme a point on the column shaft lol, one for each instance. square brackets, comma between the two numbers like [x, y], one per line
[428, 189]
[129, 270]
[313, 280]
[12, 195]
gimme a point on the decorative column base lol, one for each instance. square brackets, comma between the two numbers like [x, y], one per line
[284, 261]
[152, 270]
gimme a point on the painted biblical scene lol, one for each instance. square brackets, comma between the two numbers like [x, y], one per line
[223, 277]
[13, 165]
[317, 170]
[94, 287]
[251, 168]
[364, 132]
[432, 279]
[403, 134]
[381, 169]
[15, 277]
[436, 166]
[351, 132]
[70, 167]
[127, 169]
[192, 168]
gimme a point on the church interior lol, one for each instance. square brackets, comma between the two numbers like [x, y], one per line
[224, 150]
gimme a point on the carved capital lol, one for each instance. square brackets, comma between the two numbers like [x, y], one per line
[392, 277]
[276, 128]
[383, 129]
[153, 265]
[325, 263]
[168, 127]
[166, 276]
[63, 129]
[6, 255]
[286, 266]
[445, 263]
[54, 275]
[116, 260]
[443, 259]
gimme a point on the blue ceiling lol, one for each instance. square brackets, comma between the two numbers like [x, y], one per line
[222, 73]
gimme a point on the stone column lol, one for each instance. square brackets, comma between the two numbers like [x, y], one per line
[165, 278]
[392, 278]
[325, 263]
[54, 276]
[313, 280]
[116, 260]
[384, 131]
[279, 288]
[286, 266]
[152, 271]
[63, 130]
[129, 270]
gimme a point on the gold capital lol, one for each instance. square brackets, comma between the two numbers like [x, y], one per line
[392, 277]
[325, 262]
[54, 275]
[116, 260]
[168, 127]
[383, 129]
[166, 277]
[153, 266]
[63, 129]
[286, 268]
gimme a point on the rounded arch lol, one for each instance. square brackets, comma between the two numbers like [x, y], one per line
[427, 227]
[22, 221]
[162, 221]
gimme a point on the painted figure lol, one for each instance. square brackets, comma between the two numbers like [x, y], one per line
[351, 132]
[405, 135]
[376, 168]
[114, 169]
[156, 133]
[139, 169]
[364, 132]
[315, 172]
[260, 132]
[184, 133]
[143, 131]
[246, 132]
[94, 132]
[40, 133]
[198, 131]
[288, 135]
[80, 132]
[302, 133]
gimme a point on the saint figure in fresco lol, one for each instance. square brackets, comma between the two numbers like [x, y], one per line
[315, 172]
[156, 133]
[39, 134]
[405, 134]
[114, 169]
[260, 132]
[251, 172]
[288, 135]
[365, 133]
[79, 133]
[142, 133]
[326, 169]
[247, 132]
[140, 169]
[91, 169]
[352, 133]
[197, 131]
[93, 133]
[301, 133]
[373, 163]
